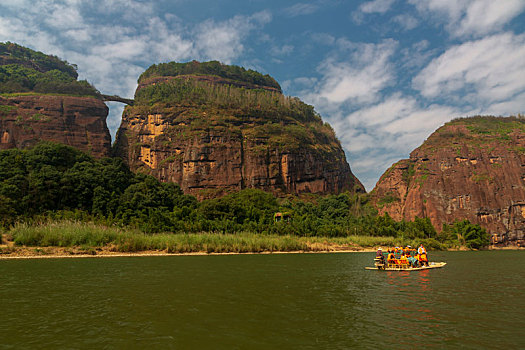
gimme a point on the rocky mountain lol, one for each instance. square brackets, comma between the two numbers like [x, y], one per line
[41, 99]
[215, 129]
[470, 168]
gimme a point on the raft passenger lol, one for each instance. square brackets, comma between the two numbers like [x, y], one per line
[423, 260]
[391, 259]
[413, 261]
[422, 252]
[403, 260]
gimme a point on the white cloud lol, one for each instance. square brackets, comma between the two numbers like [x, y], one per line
[376, 6]
[64, 17]
[465, 18]
[511, 106]
[371, 7]
[399, 123]
[130, 48]
[383, 113]
[387, 132]
[358, 76]
[223, 41]
[419, 120]
[322, 38]
[16, 4]
[301, 9]
[491, 69]
[416, 56]
[282, 50]
[405, 21]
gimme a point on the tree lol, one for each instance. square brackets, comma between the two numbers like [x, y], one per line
[470, 235]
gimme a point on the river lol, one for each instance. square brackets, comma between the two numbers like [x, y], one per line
[282, 301]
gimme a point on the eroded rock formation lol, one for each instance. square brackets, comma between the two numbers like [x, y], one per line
[75, 121]
[471, 168]
[212, 136]
[41, 100]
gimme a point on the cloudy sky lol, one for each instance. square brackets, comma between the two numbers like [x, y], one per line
[384, 73]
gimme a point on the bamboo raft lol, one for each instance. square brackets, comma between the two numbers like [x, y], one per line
[392, 267]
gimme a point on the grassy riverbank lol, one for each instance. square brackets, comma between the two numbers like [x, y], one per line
[89, 238]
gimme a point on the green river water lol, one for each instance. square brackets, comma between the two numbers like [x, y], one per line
[279, 301]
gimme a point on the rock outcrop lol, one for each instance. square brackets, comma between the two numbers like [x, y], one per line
[75, 121]
[471, 168]
[214, 135]
[41, 100]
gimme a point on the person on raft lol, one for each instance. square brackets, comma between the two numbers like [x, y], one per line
[391, 259]
[422, 255]
[379, 255]
[403, 260]
[412, 260]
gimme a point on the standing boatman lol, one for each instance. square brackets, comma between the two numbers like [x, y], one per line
[422, 252]
[380, 256]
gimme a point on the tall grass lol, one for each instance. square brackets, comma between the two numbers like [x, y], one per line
[65, 234]
[71, 234]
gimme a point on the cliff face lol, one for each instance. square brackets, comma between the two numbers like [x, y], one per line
[213, 136]
[75, 121]
[472, 168]
[41, 99]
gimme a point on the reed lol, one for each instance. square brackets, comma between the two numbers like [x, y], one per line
[86, 235]
[70, 234]
[64, 234]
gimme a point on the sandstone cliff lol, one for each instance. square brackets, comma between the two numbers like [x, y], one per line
[40, 99]
[471, 168]
[214, 134]
[75, 121]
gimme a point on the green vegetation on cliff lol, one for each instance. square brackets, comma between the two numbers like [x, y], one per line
[492, 125]
[477, 130]
[213, 68]
[11, 52]
[281, 121]
[190, 92]
[23, 70]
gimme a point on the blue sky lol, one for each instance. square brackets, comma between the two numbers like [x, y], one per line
[384, 73]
